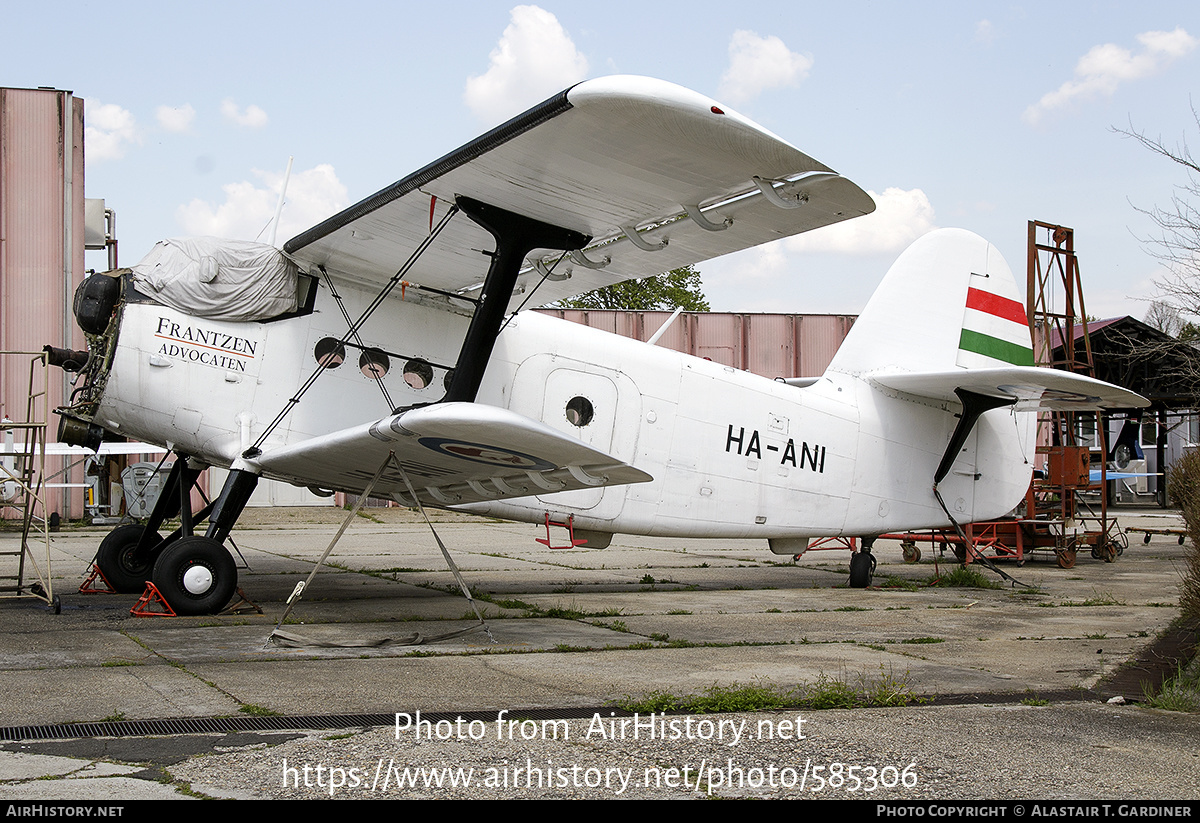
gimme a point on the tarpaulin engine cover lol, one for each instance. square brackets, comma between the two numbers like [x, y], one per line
[220, 279]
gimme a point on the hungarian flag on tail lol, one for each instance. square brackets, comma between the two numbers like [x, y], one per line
[995, 329]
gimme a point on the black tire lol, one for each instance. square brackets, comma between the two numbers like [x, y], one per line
[195, 575]
[123, 571]
[862, 567]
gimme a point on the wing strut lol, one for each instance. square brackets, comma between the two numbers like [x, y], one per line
[397, 279]
[516, 236]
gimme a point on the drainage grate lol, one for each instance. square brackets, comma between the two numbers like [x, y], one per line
[222, 725]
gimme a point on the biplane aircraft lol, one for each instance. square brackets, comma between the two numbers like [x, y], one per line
[385, 345]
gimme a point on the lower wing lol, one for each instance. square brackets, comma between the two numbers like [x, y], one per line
[450, 454]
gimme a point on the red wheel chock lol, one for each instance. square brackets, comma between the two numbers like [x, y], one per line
[150, 599]
[89, 587]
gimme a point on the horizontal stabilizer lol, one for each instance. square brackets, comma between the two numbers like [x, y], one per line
[1033, 388]
[453, 454]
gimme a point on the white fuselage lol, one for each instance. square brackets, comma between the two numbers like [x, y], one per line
[732, 454]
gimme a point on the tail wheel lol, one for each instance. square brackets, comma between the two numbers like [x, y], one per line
[195, 575]
[862, 567]
[124, 569]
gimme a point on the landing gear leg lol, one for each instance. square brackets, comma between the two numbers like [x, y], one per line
[196, 574]
[127, 554]
[862, 565]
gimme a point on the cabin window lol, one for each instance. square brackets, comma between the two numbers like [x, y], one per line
[330, 352]
[580, 411]
[418, 373]
[373, 363]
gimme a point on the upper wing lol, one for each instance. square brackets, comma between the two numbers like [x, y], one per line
[606, 157]
[1032, 388]
[452, 453]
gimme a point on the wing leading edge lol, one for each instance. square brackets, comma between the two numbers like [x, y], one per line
[658, 177]
[453, 454]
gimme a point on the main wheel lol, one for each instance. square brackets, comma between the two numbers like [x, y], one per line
[122, 568]
[862, 566]
[195, 575]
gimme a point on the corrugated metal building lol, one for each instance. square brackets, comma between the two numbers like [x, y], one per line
[772, 345]
[41, 243]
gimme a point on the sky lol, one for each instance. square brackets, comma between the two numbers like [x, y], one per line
[980, 115]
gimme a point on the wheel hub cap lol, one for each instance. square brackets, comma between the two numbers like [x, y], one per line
[197, 580]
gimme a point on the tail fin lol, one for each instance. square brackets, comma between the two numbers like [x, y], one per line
[949, 301]
[947, 325]
[948, 317]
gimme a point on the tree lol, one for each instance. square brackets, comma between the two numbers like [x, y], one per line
[1168, 320]
[668, 291]
[1176, 243]
[1177, 247]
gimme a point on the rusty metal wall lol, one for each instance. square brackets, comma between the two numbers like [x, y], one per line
[41, 245]
[772, 345]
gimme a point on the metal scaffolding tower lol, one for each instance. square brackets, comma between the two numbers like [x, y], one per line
[1054, 297]
[22, 486]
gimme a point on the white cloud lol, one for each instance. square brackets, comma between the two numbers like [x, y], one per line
[312, 196]
[985, 32]
[757, 64]
[832, 269]
[175, 118]
[533, 60]
[900, 217]
[1107, 66]
[251, 117]
[109, 130]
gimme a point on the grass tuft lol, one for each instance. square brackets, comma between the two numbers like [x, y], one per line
[964, 577]
[826, 693]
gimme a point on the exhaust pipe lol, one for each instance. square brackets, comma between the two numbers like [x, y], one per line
[66, 359]
[75, 431]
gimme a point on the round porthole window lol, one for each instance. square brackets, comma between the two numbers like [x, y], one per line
[448, 378]
[580, 411]
[329, 352]
[418, 373]
[373, 363]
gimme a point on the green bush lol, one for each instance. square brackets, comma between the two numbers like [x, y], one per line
[1184, 483]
